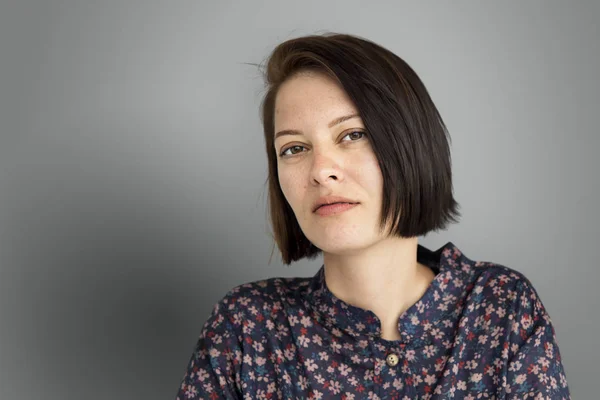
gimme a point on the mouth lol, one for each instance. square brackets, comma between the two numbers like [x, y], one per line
[334, 208]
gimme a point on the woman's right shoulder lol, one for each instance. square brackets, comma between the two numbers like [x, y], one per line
[258, 301]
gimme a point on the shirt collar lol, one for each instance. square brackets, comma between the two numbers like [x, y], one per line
[440, 302]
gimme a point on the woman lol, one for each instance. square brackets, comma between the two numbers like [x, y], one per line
[359, 167]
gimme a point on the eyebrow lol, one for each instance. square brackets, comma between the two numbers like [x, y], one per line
[333, 123]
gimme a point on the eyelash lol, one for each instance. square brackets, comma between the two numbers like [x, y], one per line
[297, 145]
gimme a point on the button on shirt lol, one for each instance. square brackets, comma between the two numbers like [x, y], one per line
[392, 360]
[479, 331]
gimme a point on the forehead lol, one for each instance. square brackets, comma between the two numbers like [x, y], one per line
[310, 96]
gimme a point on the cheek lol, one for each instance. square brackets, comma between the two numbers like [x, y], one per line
[291, 185]
[369, 173]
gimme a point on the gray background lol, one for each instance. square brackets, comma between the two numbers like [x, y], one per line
[132, 170]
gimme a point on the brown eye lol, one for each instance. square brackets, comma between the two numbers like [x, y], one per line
[296, 147]
[355, 135]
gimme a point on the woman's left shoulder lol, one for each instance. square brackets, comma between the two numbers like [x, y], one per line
[498, 283]
[491, 271]
[483, 280]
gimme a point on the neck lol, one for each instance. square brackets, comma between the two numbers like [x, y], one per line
[384, 278]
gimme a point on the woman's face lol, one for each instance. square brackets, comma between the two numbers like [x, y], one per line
[318, 157]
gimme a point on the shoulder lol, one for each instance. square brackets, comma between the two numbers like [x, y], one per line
[256, 304]
[501, 307]
[504, 293]
[488, 270]
[267, 292]
[482, 282]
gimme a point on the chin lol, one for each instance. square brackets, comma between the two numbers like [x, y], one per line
[347, 250]
[340, 244]
[339, 238]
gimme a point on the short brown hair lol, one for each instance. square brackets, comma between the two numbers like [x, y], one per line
[406, 131]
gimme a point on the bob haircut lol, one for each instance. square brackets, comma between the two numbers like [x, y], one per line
[405, 130]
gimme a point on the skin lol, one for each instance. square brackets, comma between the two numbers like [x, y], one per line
[363, 267]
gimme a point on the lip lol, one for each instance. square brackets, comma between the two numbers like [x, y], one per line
[326, 200]
[335, 208]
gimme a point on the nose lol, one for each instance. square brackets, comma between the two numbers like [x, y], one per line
[324, 170]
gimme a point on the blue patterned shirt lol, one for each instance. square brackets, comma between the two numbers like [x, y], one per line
[479, 331]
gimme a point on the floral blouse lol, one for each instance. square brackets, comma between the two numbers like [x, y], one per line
[480, 331]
